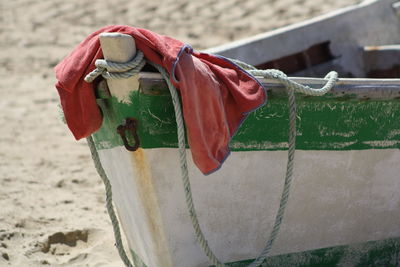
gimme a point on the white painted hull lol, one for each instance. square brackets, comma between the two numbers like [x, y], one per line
[337, 198]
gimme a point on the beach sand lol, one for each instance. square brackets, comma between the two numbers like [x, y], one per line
[52, 208]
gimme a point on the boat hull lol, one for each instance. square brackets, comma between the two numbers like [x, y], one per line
[345, 186]
[344, 205]
[337, 198]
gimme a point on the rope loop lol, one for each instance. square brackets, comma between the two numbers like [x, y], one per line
[114, 70]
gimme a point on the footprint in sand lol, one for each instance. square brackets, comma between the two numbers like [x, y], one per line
[72, 248]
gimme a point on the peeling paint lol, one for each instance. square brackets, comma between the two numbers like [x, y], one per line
[123, 91]
[105, 144]
[323, 123]
[382, 143]
[258, 145]
[394, 133]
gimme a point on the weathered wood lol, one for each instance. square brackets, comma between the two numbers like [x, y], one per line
[154, 84]
[347, 31]
[119, 48]
[382, 61]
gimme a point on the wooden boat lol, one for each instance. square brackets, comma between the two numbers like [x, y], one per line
[344, 206]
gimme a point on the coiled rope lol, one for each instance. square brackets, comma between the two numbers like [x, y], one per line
[107, 69]
[114, 70]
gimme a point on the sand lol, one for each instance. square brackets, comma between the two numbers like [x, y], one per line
[51, 199]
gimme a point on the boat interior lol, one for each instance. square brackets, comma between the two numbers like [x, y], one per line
[359, 42]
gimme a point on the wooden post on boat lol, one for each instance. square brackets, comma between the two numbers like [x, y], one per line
[119, 48]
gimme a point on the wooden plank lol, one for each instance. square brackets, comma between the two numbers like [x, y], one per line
[382, 61]
[154, 84]
[347, 30]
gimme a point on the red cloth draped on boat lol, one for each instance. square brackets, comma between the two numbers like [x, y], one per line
[216, 93]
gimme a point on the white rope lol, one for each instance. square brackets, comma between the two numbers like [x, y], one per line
[115, 70]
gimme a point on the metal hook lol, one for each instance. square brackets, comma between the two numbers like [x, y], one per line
[130, 124]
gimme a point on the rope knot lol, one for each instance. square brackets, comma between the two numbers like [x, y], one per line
[114, 70]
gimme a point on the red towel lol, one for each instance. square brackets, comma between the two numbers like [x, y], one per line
[216, 93]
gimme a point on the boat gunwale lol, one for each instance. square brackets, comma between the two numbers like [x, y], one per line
[357, 88]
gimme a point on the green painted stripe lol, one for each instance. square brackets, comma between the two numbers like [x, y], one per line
[370, 254]
[324, 123]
